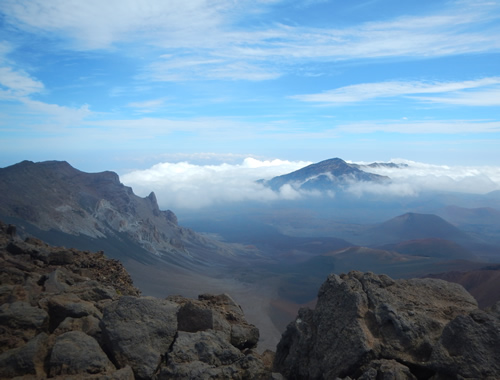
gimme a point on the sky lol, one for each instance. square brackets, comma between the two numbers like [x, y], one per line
[128, 85]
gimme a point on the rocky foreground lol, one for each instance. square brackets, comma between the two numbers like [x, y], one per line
[76, 315]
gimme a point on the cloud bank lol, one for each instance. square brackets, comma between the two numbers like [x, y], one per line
[189, 186]
[184, 185]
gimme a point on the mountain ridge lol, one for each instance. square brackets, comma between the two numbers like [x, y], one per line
[54, 196]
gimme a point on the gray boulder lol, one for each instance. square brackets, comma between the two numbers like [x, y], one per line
[208, 355]
[364, 317]
[138, 332]
[76, 353]
[25, 360]
[469, 346]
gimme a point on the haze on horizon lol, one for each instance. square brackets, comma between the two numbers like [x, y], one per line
[125, 86]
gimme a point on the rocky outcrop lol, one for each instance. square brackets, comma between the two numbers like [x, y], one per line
[367, 326]
[71, 314]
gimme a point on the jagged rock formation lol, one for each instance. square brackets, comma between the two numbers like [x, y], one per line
[368, 326]
[71, 314]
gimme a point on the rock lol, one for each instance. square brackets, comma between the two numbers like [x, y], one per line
[75, 353]
[364, 317]
[196, 316]
[88, 324]
[386, 369]
[139, 331]
[62, 306]
[25, 360]
[469, 346]
[207, 354]
[76, 315]
[19, 322]
[21, 315]
[244, 336]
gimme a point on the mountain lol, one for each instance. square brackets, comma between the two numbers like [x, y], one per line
[325, 175]
[54, 201]
[414, 226]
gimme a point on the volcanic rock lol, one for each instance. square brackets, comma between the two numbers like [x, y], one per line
[368, 326]
[80, 317]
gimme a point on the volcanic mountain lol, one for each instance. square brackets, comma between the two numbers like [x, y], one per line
[56, 202]
[324, 175]
[414, 226]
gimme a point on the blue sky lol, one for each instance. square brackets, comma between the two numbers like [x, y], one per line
[123, 85]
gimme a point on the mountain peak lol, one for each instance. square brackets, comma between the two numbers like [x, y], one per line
[324, 175]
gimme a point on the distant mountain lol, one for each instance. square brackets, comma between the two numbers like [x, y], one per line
[471, 216]
[54, 201]
[482, 283]
[390, 165]
[325, 175]
[414, 226]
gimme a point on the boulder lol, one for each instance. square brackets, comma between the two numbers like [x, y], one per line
[138, 331]
[469, 346]
[62, 306]
[208, 355]
[25, 360]
[361, 317]
[76, 353]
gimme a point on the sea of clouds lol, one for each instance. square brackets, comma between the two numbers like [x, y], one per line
[183, 185]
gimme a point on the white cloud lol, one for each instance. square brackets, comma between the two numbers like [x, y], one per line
[420, 177]
[147, 106]
[207, 39]
[17, 83]
[95, 24]
[184, 185]
[172, 69]
[366, 91]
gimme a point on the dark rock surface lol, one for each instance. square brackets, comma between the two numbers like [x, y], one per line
[68, 314]
[367, 326]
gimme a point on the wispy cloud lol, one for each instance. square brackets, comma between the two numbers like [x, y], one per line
[147, 106]
[208, 40]
[17, 83]
[456, 91]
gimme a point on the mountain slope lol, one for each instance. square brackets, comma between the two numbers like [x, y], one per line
[54, 197]
[324, 175]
